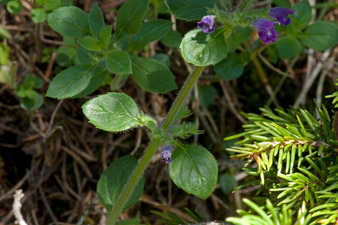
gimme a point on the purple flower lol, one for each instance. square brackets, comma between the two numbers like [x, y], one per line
[206, 24]
[281, 14]
[266, 30]
[166, 154]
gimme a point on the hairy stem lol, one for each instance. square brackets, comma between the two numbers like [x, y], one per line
[153, 146]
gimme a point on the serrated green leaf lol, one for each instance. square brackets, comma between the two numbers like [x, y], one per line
[112, 112]
[288, 47]
[69, 21]
[152, 75]
[113, 180]
[150, 31]
[194, 169]
[89, 43]
[201, 49]
[129, 18]
[71, 81]
[230, 68]
[189, 9]
[96, 20]
[320, 35]
[38, 15]
[119, 62]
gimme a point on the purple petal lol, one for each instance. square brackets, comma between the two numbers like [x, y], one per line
[268, 36]
[206, 24]
[166, 154]
[263, 24]
[281, 15]
[266, 30]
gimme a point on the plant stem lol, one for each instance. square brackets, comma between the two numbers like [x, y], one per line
[114, 84]
[153, 146]
[189, 83]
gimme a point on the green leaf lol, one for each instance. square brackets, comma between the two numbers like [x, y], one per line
[273, 53]
[38, 15]
[14, 7]
[238, 35]
[134, 221]
[50, 5]
[4, 54]
[95, 83]
[4, 34]
[119, 62]
[129, 18]
[282, 3]
[150, 31]
[38, 82]
[33, 102]
[163, 58]
[105, 36]
[190, 9]
[152, 75]
[321, 35]
[303, 15]
[206, 95]
[227, 182]
[69, 21]
[230, 68]
[83, 56]
[288, 47]
[89, 43]
[112, 112]
[71, 81]
[96, 20]
[194, 169]
[113, 180]
[201, 49]
[172, 39]
[65, 56]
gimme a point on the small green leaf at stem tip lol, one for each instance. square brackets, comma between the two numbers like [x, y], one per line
[194, 169]
[89, 43]
[112, 112]
[105, 35]
[38, 15]
[96, 20]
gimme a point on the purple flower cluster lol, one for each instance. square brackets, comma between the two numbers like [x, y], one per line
[265, 27]
[206, 24]
[166, 154]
